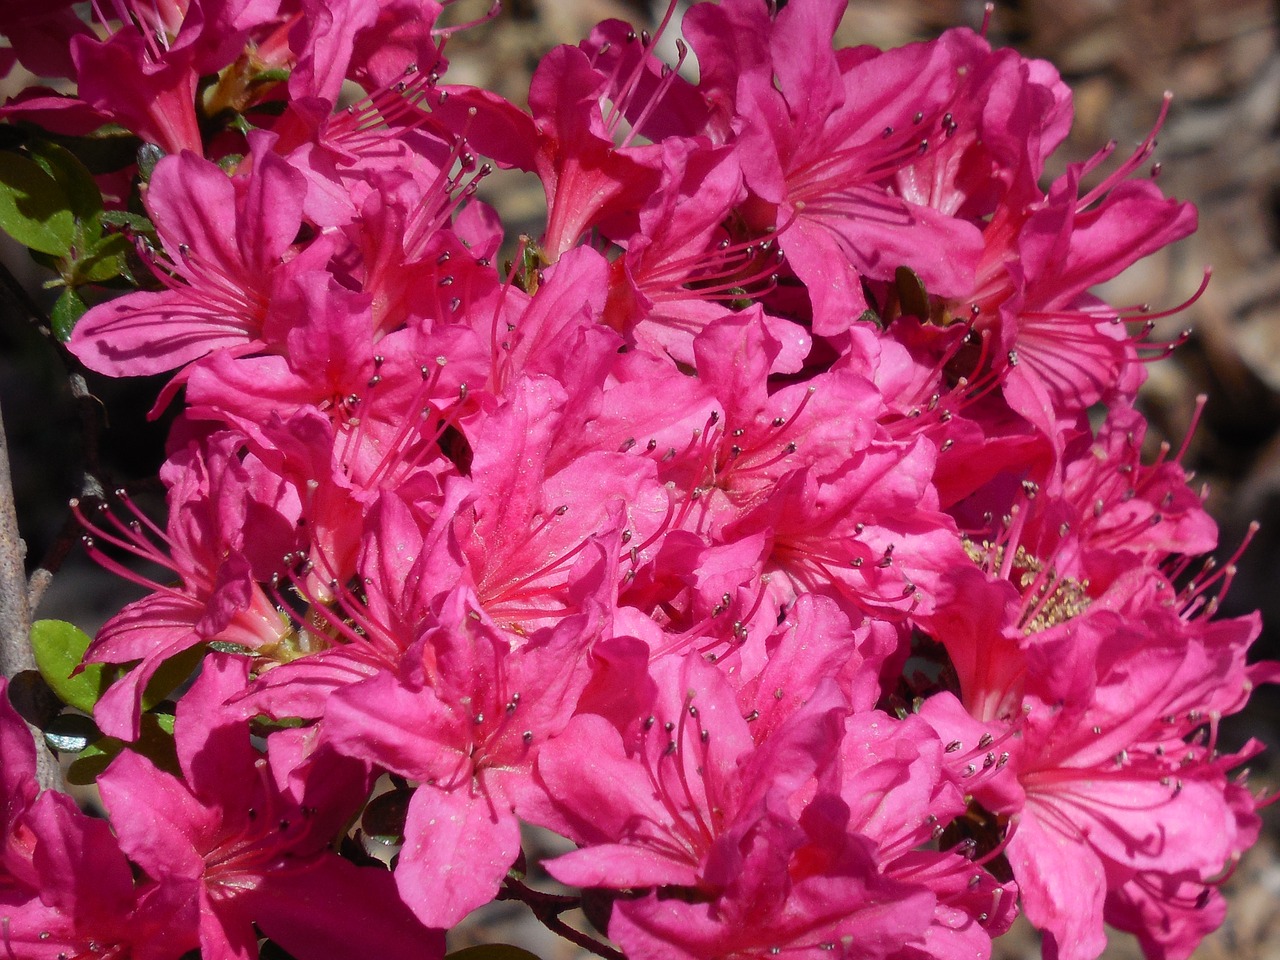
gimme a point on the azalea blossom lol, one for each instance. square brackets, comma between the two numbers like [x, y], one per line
[773, 523]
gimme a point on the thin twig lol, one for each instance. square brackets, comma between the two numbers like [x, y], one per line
[547, 907]
[63, 543]
[15, 615]
[16, 657]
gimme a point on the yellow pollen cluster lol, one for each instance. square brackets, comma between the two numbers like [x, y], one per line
[1048, 599]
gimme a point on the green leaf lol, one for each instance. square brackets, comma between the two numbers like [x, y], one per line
[105, 150]
[870, 316]
[104, 260]
[235, 649]
[34, 209]
[93, 759]
[261, 725]
[155, 743]
[134, 221]
[59, 647]
[71, 175]
[492, 951]
[67, 309]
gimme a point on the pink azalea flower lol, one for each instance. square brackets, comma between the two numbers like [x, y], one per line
[343, 154]
[749, 530]
[821, 138]
[868, 534]
[65, 887]
[215, 499]
[807, 889]
[140, 80]
[464, 717]
[1008, 114]
[660, 792]
[225, 241]
[1115, 808]
[1058, 348]
[901, 790]
[1115, 795]
[372, 43]
[590, 181]
[1126, 508]
[141, 74]
[682, 269]
[41, 37]
[238, 843]
[765, 432]
[527, 538]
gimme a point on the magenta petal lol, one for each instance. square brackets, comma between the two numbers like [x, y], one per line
[17, 759]
[81, 868]
[872, 236]
[160, 824]
[119, 712]
[213, 750]
[606, 864]
[226, 929]
[156, 100]
[403, 730]
[310, 911]
[599, 789]
[193, 203]
[458, 846]
[1062, 885]
[145, 333]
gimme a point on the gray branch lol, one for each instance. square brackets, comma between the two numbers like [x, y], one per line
[17, 662]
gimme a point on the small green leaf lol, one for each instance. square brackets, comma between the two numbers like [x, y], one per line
[241, 125]
[492, 951]
[273, 75]
[263, 726]
[71, 175]
[235, 649]
[59, 648]
[93, 759]
[123, 218]
[67, 309]
[870, 316]
[105, 150]
[71, 733]
[155, 743]
[104, 260]
[34, 210]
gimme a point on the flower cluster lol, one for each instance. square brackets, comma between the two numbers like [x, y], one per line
[774, 526]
